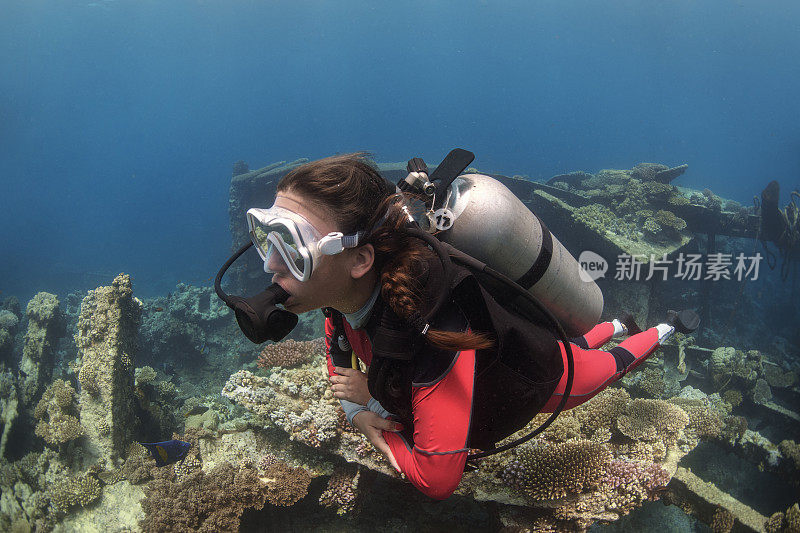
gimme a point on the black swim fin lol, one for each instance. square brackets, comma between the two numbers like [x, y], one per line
[685, 321]
[630, 324]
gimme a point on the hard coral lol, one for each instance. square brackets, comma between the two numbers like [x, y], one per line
[285, 485]
[791, 449]
[774, 523]
[553, 471]
[145, 375]
[202, 502]
[722, 522]
[705, 420]
[792, 518]
[78, 490]
[652, 420]
[56, 423]
[342, 490]
[602, 410]
[629, 475]
[289, 353]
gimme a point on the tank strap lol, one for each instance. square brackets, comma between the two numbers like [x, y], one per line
[341, 351]
[542, 263]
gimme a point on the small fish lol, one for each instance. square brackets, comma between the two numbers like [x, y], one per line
[196, 410]
[159, 309]
[167, 452]
[203, 348]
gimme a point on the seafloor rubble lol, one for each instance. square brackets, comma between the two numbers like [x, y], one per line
[82, 378]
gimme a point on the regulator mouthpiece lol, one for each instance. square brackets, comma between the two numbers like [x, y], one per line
[259, 316]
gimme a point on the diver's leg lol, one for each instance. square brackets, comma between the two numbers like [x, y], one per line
[599, 335]
[593, 370]
[605, 331]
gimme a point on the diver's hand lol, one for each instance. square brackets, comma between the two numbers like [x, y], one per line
[371, 425]
[350, 384]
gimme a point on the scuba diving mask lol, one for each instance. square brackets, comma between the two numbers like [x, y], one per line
[294, 239]
[281, 237]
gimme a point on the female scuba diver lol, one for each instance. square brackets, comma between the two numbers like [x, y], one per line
[334, 239]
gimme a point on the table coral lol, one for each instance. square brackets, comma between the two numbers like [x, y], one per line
[652, 420]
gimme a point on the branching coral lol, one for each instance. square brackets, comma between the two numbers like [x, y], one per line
[145, 375]
[342, 491]
[211, 502]
[79, 490]
[705, 420]
[722, 521]
[289, 353]
[553, 471]
[57, 424]
[300, 409]
[791, 449]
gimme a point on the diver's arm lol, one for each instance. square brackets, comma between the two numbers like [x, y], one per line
[351, 409]
[441, 412]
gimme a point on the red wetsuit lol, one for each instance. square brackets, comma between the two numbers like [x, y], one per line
[441, 407]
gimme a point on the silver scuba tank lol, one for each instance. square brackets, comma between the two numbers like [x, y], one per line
[484, 219]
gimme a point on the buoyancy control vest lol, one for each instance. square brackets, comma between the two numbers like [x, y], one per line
[513, 379]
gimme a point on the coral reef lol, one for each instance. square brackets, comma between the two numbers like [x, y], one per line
[722, 521]
[8, 328]
[285, 485]
[55, 413]
[106, 339]
[144, 375]
[791, 449]
[549, 472]
[79, 490]
[343, 491]
[295, 402]
[289, 353]
[214, 501]
[8, 408]
[45, 326]
[652, 420]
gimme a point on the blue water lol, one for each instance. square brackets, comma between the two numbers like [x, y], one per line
[120, 120]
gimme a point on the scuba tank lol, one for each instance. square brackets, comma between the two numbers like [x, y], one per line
[481, 217]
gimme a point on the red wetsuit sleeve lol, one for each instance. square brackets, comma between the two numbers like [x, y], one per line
[441, 412]
[328, 340]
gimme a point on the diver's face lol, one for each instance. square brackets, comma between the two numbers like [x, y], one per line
[330, 280]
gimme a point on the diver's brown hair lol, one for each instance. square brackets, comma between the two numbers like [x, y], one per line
[359, 198]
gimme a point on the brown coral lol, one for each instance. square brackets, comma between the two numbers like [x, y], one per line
[652, 420]
[78, 490]
[285, 485]
[705, 421]
[553, 471]
[289, 353]
[792, 519]
[342, 491]
[722, 522]
[54, 412]
[774, 523]
[790, 449]
[202, 502]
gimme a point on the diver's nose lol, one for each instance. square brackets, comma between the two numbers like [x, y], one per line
[275, 263]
